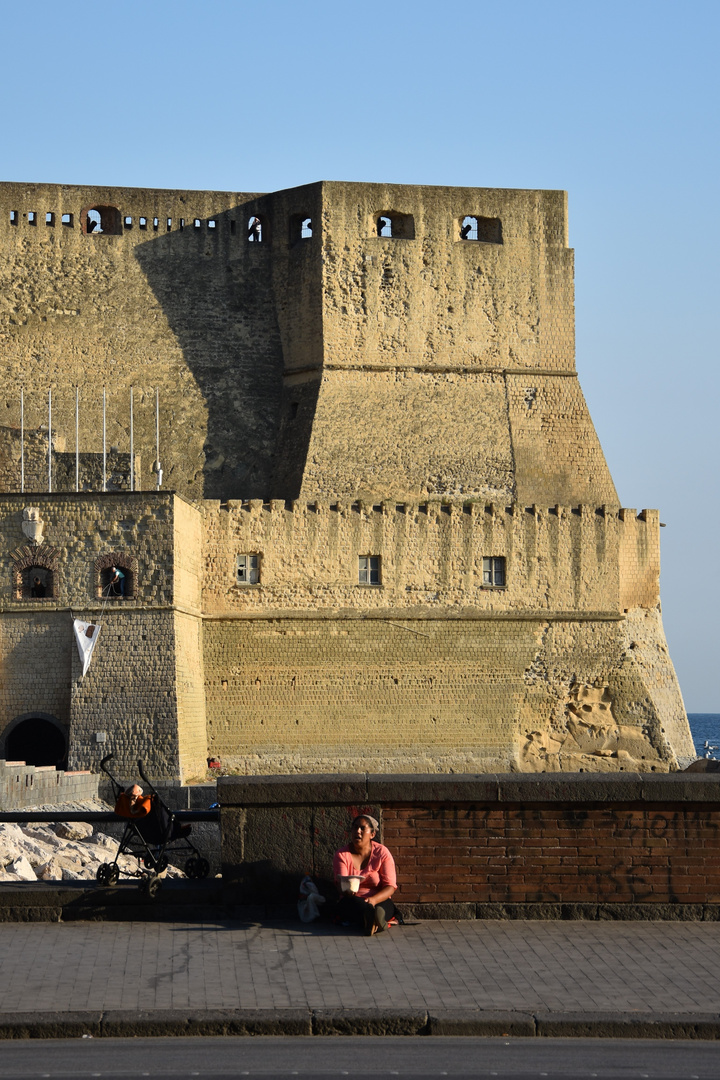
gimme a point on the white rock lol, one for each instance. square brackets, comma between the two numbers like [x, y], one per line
[73, 875]
[51, 871]
[23, 869]
[44, 834]
[73, 830]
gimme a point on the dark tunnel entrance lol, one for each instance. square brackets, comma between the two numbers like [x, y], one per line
[36, 742]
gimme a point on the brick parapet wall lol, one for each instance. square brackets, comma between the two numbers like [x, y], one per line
[462, 844]
[24, 785]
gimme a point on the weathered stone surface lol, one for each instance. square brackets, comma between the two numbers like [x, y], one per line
[473, 446]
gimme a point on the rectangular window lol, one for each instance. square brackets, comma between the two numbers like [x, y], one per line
[493, 571]
[143, 223]
[67, 219]
[248, 569]
[369, 569]
[49, 219]
[32, 217]
[13, 217]
[128, 222]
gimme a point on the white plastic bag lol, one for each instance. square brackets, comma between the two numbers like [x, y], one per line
[310, 900]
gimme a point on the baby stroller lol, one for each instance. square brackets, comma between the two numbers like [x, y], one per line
[151, 830]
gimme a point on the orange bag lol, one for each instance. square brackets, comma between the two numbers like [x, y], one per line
[124, 808]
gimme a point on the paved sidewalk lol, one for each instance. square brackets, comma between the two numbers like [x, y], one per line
[445, 977]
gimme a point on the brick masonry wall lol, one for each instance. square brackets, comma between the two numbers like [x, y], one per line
[81, 528]
[467, 845]
[621, 853]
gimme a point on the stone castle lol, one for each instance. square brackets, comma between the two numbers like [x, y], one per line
[334, 438]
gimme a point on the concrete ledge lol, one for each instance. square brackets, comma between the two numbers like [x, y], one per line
[411, 788]
[85, 901]
[154, 1022]
[199, 901]
[628, 1025]
[253, 1022]
[50, 1025]
[352, 789]
[481, 1022]
[339, 789]
[369, 1022]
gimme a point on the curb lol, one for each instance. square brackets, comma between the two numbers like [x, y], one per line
[306, 1022]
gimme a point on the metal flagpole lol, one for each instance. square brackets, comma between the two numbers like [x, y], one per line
[50, 440]
[157, 438]
[77, 429]
[22, 441]
[132, 458]
[104, 447]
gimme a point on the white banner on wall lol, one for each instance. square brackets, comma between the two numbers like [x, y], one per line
[86, 634]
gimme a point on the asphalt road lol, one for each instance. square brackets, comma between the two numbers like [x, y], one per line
[360, 1058]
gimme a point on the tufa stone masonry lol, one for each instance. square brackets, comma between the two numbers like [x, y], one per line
[384, 537]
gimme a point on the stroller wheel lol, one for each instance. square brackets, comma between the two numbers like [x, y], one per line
[157, 864]
[108, 874]
[196, 867]
[150, 886]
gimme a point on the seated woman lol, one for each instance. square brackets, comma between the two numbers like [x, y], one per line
[365, 876]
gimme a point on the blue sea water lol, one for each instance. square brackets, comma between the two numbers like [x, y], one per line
[705, 727]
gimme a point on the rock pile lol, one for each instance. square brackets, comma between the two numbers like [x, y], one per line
[63, 851]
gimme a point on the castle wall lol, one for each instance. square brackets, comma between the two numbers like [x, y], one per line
[144, 686]
[308, 670]
[188, 631]
[187, 310]
[130, 693]
[35, 666]
[447, 364]
[431, 556]
[435, 300]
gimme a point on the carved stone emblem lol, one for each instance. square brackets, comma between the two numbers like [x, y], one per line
[32, 526]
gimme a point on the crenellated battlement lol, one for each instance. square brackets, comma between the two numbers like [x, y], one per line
[473, 508]
[429, 554]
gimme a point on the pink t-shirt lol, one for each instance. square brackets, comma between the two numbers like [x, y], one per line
[379, 872]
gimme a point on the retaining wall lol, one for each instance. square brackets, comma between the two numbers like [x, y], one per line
[488, 846]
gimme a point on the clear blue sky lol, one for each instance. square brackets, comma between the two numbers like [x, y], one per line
[615, 102]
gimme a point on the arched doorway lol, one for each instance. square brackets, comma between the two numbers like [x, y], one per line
[36, 741]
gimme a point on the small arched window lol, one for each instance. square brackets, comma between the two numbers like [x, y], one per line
[34, 573]
[485, 230]
[116, 576]
[301, 228]
[101, 220]
[256, 229]
[393, 225]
